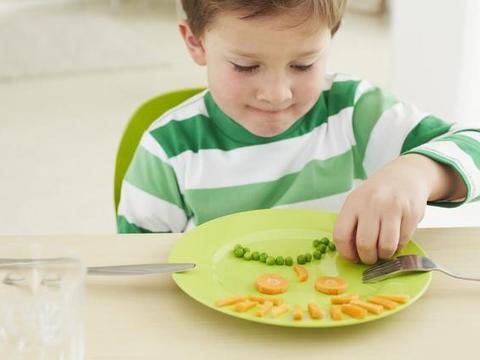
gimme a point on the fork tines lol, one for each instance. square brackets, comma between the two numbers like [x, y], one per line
[383, 268]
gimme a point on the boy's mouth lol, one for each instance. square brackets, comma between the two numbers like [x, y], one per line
[269, 111]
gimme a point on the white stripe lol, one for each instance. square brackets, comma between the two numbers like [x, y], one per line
[214, 168]
[150, 212]
[362, 88]
[189, 108]
[450, 151]
[329, 203]
[474, 135]
[149, 143]
[388, 135]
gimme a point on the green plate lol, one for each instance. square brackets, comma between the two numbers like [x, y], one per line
[219, 274]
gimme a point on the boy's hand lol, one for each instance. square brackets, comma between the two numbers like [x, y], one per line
[380, 216]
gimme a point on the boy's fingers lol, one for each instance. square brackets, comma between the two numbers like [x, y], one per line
[407, 229]
[388, 239]
[366, 240]
[344, 236]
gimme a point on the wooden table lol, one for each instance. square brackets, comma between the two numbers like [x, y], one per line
[149, 317]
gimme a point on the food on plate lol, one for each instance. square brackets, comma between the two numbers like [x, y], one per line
[343, 299]
[271, 284]
[261, 300]
[387, 304]
[331, 285]
[280, 310]
[315, 311]
[230, 300]
[371, 308]
[335, 313]
[398, 298]
[301, 272]
[245, 305]
[264, 309]
[297, 313]
[354, 311]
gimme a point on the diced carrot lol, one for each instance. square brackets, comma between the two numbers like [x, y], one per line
[371, 308]
[400, 298]
[387, 304]
[301, 272]
[280, 310]
[331, 285]
[297, 313]
[335, 313]
[261, 300]
[230, 300]
[271, 284]
[264, 309]
[315, 311]
[354, 311]
[345, 299]
[245, 306]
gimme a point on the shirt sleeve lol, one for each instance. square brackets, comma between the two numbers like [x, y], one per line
[150, 199]
[385, 128]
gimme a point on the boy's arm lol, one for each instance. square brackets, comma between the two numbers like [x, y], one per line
[438, 165]
[150, 199]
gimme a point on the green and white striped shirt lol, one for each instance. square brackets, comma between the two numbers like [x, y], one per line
[195, 164]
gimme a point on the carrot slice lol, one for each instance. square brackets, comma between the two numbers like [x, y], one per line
[264, 309]
[401, 299]
[371, 308]
[387, 304]
[230, 300]
[302, 273]
[345, 299]
[271, 284]
[297, 313]
[245, 306]
[331, 285]
[280, 310]
[315, 311]
[354, 311]
[261, 300]
[335, 313]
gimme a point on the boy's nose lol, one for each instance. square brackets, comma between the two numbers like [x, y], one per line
[277, 94]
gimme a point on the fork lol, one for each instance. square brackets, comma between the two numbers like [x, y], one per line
[404, 264]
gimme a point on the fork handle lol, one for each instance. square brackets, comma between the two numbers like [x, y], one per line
[463, 277]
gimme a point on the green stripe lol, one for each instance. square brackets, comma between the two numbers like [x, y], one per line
[313, 182]
[124, 227]
[469, 146]
[441, 159]
[427, 129]
[220, 132]
[150, 174]
[368, 110]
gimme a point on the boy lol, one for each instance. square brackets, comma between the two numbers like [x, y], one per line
[274, 130]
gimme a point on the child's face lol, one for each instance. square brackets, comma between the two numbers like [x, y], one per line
[262, 72]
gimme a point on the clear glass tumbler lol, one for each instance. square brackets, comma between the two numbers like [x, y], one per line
[41, 303]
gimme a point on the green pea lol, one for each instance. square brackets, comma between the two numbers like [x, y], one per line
[301, 259]
[238, 252]
[288, 261]
[255, 255]
[322, 248]
[263, 257]
[308, 257]
[317, 254]
[279, 260]
[316, 243]
[246, 249]
[270, 260]
[324, 241]
[237, 246]
[331, 246]
[247, 255]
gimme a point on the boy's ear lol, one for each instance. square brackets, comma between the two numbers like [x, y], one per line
[194, 45]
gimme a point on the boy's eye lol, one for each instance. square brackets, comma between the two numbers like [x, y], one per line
[245, 69]
[302, 67]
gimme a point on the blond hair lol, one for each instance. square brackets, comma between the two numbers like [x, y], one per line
[202, 13]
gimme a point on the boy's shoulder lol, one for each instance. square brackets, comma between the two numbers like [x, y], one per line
[189, 109]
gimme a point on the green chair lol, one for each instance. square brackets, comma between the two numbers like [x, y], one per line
[138, 123]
